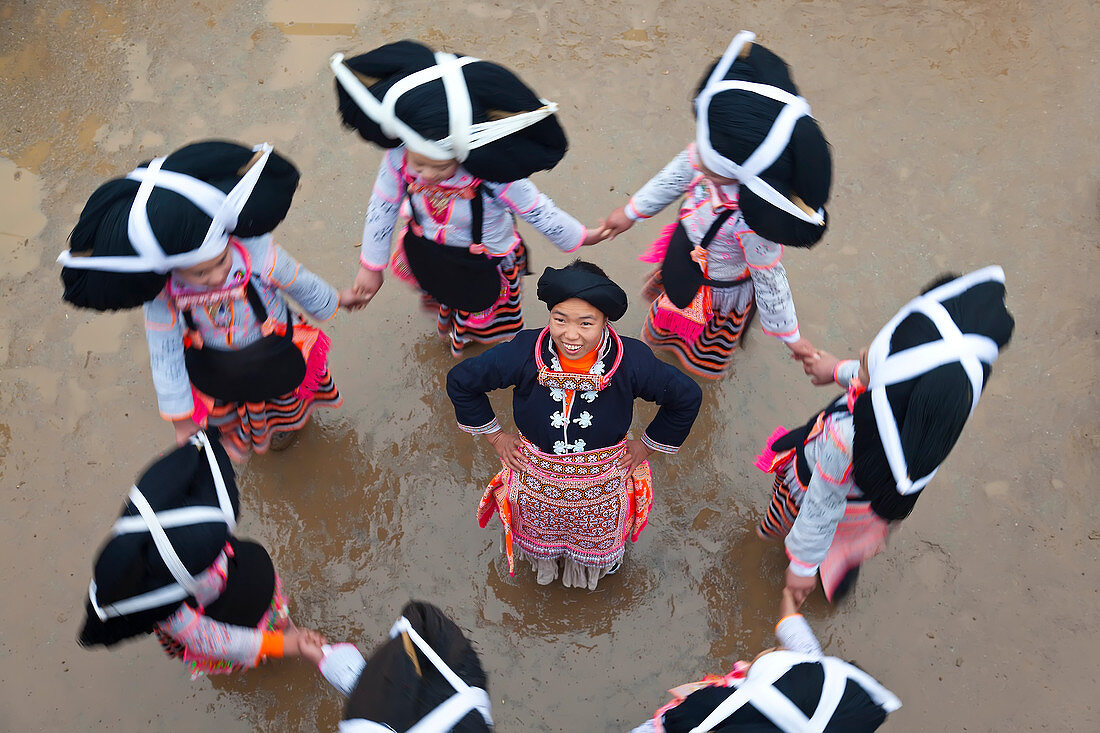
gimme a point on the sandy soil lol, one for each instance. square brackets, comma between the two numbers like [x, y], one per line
[961, 137]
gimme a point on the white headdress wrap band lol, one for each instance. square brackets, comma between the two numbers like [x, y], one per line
[223, 210]
[776, 141]
[155, 523]
[758, 690]
[969, 350]
[465, 134]
[447, 714]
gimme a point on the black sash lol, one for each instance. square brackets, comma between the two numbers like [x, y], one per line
[681, 276]
[454, 276]
[268, 368]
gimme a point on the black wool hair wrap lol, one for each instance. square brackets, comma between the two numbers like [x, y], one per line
[178, 224]
[392, 690]
[931, 409]
[740, 120]
[130, 564]
[494, 93]
[556, 286]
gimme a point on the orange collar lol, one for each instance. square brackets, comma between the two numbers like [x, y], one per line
[581, 365]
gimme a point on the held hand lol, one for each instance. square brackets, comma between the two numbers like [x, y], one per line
[594, 235]
[304, 643]
[801, 349]
[311, 646]
[616, 222]
[787, 604]
[350, 299]
[367, 282]
[507, 446]
[821, 367]
[185, 428]
[799, 587]
[636, 452]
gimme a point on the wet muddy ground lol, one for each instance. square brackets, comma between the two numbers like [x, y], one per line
[964, 134]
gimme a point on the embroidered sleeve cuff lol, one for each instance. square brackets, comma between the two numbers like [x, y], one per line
[659, 447]
[271, 644]
[784, 619]
[632, 212]
[789, 338]
[489, 427]
[371, 265]
[580, 242]
[792, 632]
[845, 371]
[179, 416]
[801, 569]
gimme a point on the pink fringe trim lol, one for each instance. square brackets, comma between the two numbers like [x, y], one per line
[201, 413]
[316, 366]
[656, 252]
[766, 460]
[674, 322]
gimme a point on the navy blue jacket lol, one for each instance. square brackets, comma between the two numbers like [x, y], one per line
[596, 419]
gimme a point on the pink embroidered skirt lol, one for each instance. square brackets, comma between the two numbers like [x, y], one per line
[577, 509]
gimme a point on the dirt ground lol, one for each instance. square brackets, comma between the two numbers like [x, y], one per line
[961, 138]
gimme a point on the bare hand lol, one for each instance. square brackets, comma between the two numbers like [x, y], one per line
[787, 604]
[303, 642]
[367, 282]
[594, 236]
[801, 349]
[507, 446]
[636, 452]
[185, 428]
[350, 299]
[800, 587]
[821, 367]
[616, 222]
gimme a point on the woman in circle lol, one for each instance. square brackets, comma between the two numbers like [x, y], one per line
[573, 486]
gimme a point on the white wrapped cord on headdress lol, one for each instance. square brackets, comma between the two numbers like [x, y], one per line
[154, 523]
[465, 134]
[758, 690]
[445, 715]
[223, 210]
[776, 141]
[969, 350]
